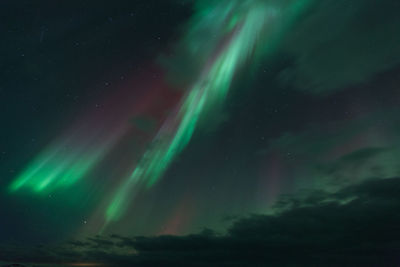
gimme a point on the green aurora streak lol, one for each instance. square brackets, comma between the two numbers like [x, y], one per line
[223, 36]
[250, 26]
[61, 165]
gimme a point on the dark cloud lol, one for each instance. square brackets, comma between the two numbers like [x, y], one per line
[98, 242]
[337, 154]
[78, 243]
[341, 43]
[356, 226]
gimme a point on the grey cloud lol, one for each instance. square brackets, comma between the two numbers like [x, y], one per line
[342, 43]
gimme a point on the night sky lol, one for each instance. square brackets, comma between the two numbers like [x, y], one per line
[200, 133]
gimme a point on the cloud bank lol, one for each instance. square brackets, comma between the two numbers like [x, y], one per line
[355, 226]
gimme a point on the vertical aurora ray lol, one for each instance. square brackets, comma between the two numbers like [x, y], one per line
[223, 37]
[84, 144]
[239, 29]
[62, 164]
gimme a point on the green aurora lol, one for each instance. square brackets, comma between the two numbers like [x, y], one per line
[244, 22]
[241, 32]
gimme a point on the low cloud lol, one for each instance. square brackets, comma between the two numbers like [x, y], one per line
[357, 225]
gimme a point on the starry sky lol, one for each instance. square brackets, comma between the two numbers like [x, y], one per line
[212, 133]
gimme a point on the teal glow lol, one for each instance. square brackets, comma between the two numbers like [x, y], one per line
[243, 23]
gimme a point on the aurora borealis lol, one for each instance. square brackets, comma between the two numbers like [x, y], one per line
[243, 27]
[243, 23]
[170, 119]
